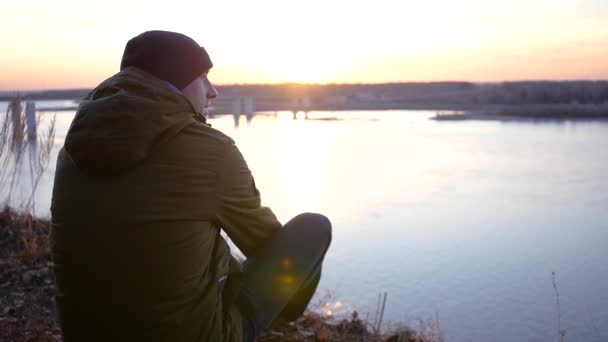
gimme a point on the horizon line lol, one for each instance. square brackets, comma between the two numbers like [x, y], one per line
[5, 91]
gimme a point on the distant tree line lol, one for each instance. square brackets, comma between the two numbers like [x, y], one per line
[583, 92]
[398, 94]
[463, 93]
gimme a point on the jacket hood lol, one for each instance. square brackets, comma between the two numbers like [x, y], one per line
[122, 121]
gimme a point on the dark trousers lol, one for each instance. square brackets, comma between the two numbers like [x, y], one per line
[280, 279]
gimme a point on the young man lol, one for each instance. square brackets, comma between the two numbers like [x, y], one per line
[143, 187]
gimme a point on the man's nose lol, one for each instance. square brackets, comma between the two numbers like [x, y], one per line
[212, 92]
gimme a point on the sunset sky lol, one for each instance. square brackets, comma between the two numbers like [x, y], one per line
[71, 44]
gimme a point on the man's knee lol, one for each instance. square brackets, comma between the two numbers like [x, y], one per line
[316, 224]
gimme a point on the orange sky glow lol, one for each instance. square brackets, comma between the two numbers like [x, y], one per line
[72, 44]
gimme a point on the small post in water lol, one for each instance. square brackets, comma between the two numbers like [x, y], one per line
[15, 109]
[30, 118]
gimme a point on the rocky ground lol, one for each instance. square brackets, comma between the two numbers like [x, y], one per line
[27, 290]
[27, 285]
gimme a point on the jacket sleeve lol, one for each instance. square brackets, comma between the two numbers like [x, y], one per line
[240, 212]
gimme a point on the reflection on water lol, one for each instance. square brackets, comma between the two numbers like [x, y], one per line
[296, 115]
[465, 220]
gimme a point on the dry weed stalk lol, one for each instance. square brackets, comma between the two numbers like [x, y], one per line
[377, 325]
[561, 333]
[15, 144]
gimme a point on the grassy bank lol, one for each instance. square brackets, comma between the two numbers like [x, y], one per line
[27, 286]
[27, 290]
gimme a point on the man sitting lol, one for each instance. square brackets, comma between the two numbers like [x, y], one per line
[143, 186]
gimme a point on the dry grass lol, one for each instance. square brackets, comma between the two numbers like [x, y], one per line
[27, 286]
[319, 324]
[316, 327]
[24, 157]
[23, 236]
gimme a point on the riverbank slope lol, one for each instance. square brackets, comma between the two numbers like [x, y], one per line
[27, 296]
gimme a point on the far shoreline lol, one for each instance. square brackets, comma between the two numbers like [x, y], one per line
[444, 111]
[529, 113]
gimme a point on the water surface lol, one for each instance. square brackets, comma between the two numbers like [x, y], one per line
[463, 222]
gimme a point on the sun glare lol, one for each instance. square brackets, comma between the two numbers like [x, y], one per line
[301, 158]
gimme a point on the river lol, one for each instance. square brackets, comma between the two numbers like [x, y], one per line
[461, 223]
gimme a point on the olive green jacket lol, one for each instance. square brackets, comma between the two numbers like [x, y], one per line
[142, 188]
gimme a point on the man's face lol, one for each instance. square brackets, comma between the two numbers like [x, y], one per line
[200, 91]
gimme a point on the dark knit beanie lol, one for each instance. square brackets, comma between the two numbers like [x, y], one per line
[170, 56]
